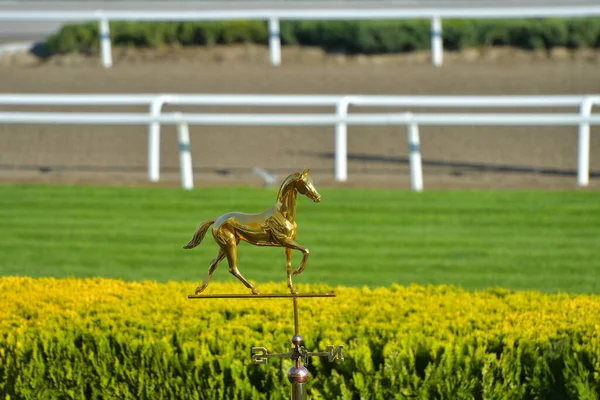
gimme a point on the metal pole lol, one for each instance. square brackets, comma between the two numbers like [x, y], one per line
[414, 157]
[437, 43]
[105, 46]
[583, 146]
[298, 391]
[296, 333]
[298, 374]
[274, 42]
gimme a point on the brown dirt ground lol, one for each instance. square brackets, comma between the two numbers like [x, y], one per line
[454, 157]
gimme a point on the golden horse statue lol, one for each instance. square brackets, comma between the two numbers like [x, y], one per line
[276, 226]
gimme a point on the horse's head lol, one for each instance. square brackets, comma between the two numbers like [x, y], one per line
[305, 186]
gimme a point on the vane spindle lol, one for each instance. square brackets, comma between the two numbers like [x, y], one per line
[276, 226]
[298, 374]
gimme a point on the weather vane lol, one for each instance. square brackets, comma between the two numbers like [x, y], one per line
[275, 226]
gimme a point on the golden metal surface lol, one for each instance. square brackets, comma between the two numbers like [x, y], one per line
[258, 296]
[275, 226]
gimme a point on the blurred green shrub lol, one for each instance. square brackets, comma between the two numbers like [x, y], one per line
[353, 37]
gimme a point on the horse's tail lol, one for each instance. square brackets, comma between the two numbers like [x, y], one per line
[199, 234]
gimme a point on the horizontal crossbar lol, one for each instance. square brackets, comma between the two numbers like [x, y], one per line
[257, 296]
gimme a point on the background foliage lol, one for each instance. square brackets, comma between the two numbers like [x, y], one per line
[367, 37]
[96, 338]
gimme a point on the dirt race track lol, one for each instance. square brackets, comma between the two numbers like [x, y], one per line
[463, 157]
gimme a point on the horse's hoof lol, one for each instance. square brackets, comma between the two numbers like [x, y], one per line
[199, 290]
[292, 288]
[255, 291]
[296, 272]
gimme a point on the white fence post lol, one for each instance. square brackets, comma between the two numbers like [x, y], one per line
[154, 139]
[341, 141]
[274, 41]
[185, 156]
[583, 146]
[414, 157]
[105, 46]
[437, 42]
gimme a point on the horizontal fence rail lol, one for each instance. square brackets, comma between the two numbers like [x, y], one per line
[293, 100]
[435, 15]
[541, 11]
[238, 119]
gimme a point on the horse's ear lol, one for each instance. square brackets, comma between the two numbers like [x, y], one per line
[304, 173]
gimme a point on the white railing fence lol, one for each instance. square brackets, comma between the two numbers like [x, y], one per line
[340, 119]
[412, 121]
[341, 103]
[275, 16]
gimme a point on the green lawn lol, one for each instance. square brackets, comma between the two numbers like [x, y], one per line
[543, 240]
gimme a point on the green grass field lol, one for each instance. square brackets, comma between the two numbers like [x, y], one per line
[542, 240]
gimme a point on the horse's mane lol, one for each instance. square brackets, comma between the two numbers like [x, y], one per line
[291, 178]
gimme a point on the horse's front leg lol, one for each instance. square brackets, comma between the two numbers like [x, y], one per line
[291, 244]
[302, 265]
[288, 267]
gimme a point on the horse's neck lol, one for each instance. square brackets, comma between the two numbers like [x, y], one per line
[286, 201]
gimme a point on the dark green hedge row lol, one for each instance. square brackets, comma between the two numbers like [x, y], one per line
[93, 365]
[367, 37]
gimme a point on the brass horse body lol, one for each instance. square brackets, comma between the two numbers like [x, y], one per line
[276, 226]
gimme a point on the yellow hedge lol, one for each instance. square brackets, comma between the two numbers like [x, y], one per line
[100, 338]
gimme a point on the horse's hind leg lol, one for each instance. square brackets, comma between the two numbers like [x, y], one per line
[211, 268]
[233, 269]
[228, 243]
